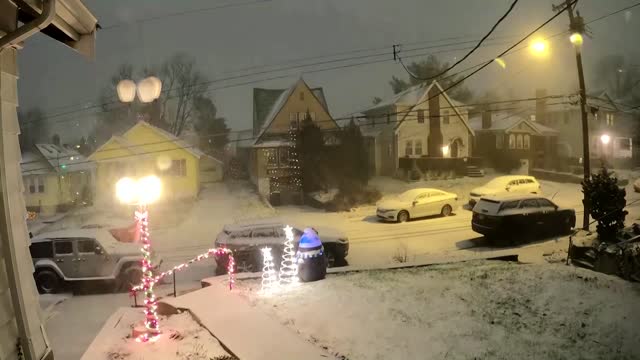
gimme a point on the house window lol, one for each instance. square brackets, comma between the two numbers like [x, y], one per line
[512, 141]
[609, 119]
[519, 141]
[624, 144]
[499, 141]
[527, 142]
[271, 156]
[420, 116]
[445, 117]
[40, 184]
[301, 96]
[418, 147]
[293, 117]
[408, 149]
[283, 156]
[313, 115]
[178, 168]
[31, 182]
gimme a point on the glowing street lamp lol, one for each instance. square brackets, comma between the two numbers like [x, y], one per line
[605, 139]
[539, 47]
[576, 39]
[148, 90]
[143, 192]
[445, 151]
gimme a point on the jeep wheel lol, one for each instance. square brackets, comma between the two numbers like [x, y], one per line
[47, 281]
[129, 278]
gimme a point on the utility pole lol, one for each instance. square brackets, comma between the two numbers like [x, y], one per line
[577, 28]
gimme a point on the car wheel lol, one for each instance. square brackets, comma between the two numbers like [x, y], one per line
[130, 277]
[331, 259]
[47, 281]
[446, 210]
[403, 216]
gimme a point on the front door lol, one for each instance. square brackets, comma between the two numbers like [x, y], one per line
[65, 257]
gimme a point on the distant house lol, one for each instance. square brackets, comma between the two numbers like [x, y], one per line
[605, 117]
[145, 149]
[501, 135]
[422, 122]
[55, 178]
[275, 111]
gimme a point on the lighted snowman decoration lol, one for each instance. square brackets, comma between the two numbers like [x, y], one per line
[312, 264]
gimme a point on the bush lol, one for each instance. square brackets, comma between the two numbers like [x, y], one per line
[606, 201]
[350, 197]
[506, 163]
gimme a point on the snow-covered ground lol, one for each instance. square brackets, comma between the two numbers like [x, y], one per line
[481, 310]
[182, 338]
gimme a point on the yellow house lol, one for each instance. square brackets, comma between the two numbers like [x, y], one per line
[55, 178]
[275, 111]
[145, 149]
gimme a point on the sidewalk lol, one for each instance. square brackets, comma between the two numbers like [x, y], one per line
[246, 331]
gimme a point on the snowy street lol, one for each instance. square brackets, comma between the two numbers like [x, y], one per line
[180, 235]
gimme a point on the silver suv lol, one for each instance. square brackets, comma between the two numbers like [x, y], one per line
[84, 254]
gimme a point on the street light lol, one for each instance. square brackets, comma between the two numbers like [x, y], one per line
[605, 139]
[576, 39]
[147, 89]
[539, 47]
[143, 192]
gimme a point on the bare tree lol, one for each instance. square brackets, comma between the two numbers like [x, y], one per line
[182, 83]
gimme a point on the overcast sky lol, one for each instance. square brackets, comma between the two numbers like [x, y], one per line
[276, 31]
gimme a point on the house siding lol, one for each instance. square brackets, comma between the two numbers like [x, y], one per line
[151, 151]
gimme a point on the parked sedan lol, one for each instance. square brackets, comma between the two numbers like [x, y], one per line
[508, 184]
[417, 203]
[520, 215]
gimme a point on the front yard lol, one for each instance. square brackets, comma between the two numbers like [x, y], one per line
[481, 310]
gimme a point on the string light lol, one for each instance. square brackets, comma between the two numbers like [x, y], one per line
[211, 252]
[294, 161]
[269, 277]
[289, 265]
[150, 301]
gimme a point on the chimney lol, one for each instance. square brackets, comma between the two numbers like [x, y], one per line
[435, 139]
[541, 106]
[486, 119]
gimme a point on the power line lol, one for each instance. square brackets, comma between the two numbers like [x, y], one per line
[182, 13]
[613, 13]
[373, 123]
[382, 60]
[493, 28]
[499, 55]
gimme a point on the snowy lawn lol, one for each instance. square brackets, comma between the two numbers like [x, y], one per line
[478, 310]
[182, 338]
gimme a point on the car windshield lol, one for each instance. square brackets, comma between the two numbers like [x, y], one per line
[408, 195]
[497, 182]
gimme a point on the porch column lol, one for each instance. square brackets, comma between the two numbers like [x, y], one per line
[24, 323]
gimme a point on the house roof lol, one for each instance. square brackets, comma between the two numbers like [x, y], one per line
[138, 148]
[51, 157]
[34, 164]
[425, 96]
[503, 121]
[267, 103]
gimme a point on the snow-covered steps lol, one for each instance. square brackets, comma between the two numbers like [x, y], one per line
[474, 171]
[246, 331]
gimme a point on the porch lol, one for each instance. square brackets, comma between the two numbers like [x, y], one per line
[433, 168]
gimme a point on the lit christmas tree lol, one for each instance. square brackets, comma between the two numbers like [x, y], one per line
[269, 277]
[289, 265]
